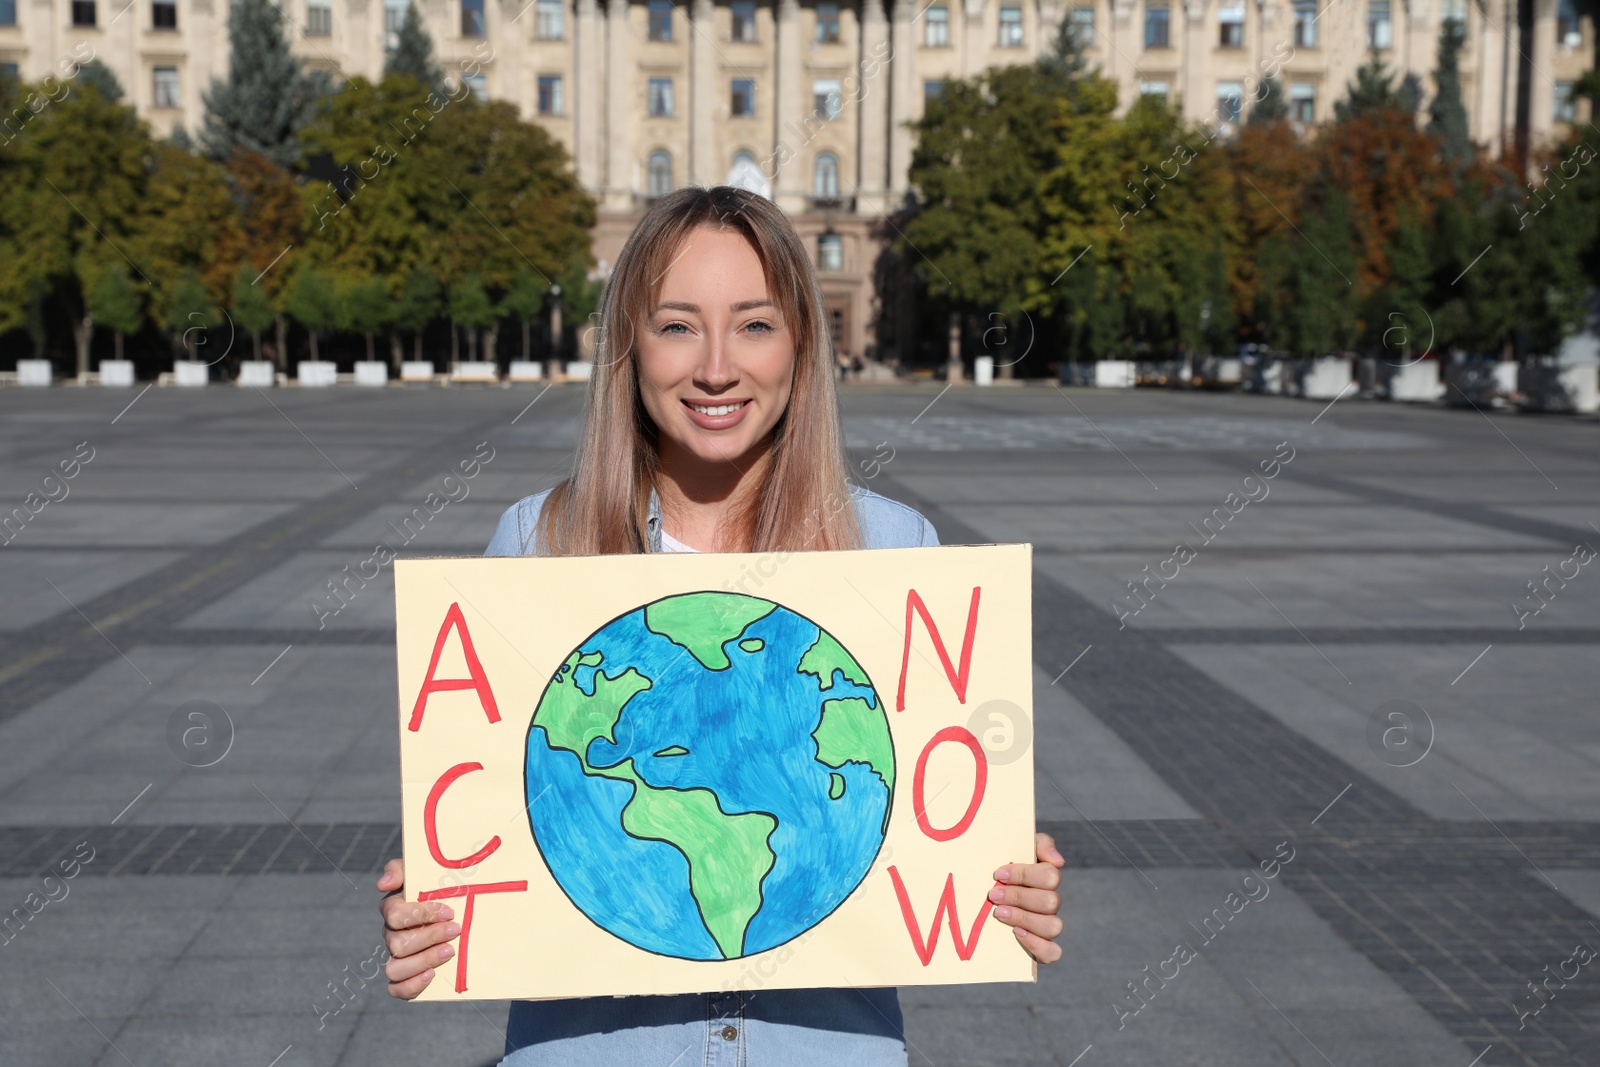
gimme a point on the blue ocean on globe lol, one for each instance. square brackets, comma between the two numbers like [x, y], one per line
[709, 776]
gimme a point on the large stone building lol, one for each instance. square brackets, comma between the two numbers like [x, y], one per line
[808, 101]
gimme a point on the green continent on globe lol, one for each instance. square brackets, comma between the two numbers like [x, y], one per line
[853, 731]
[704, 622]
[729, 855]
[826, 656]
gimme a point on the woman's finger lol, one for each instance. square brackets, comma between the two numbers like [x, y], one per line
[393, 876]
[411, 987]
[1039, 948]
[1045, 849]
[1036, 875]
[1045, 926]
[410, 942]
[400, 968]
[401, 915]
[1042, 901]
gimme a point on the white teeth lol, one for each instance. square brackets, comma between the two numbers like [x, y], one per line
[719, 409]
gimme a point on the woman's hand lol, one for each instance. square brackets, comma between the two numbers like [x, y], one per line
[415, 933]
[1026, 900]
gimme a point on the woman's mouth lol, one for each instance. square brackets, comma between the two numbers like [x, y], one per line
[718, 415]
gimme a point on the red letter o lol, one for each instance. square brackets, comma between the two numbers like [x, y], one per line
[964, 736]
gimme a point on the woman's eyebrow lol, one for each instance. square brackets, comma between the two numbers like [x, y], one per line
[694, 309]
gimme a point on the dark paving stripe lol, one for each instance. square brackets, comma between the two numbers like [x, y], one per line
[64, 649]
[241, 848]
[1458, 923]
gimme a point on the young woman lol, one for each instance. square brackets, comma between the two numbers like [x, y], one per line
[713, 426]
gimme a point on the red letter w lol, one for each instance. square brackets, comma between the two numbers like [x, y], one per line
[946, 912]
[957, 675]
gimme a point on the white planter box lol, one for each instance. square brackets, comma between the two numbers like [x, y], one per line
[1505, 378]
[1572, 389]
[191, 375]
[33, 372]
[117, 373]
[257, 374]
[580, 371]
[1268, 377]
[983, 370]
[315, 374]
[475, 372]
[372, 372]
[525, 372]
[1326, 378]
[1114, 374]
[416, 371]
[1416, 382]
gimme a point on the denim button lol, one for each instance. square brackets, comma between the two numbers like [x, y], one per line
[729, 1033]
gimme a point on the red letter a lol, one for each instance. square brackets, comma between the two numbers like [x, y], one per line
[957, 676]
[946, 912]
[453, 619]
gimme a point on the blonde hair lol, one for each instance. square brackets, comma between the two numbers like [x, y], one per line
[803, 501]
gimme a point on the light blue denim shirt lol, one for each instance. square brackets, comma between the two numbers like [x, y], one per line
[761, 1028]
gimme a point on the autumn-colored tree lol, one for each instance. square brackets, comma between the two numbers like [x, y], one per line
[1269, 167]
[192, 220]
[270, 215]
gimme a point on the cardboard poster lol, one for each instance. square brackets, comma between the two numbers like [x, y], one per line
[679, 773]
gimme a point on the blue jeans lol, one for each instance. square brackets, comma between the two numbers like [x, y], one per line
[780, 1028]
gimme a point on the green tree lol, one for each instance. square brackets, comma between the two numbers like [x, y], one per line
[418, 305]
[97, 76]
[1270, 104]
[311, 302]
[471, 307]
[524, 301]
[269, 96]
[117, 303]
[365, 307]
[1373, 90]
[194, 320]
[252, 308]
[412, 55]
[1308, 296]
[1447, 115]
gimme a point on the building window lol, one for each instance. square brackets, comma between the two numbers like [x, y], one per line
[1568, 32]
[163, 15]
[1230, 22]
[936, 34]
[1157, 26]
[1011, 27]
[742, 99]
[1566, 106]
[83, 12]
[1083, 25]
[660, 98]
[1303, 102]
[165, 82]
[1456, 11]
[1157, 89]
[472, 18]
[830, 252]
[394, 17]
[548, 18]
[932, 89]
[828, 23]
[1305, 23]
[826, 100]
[550, 95]
[825, 177]
[660, 174]
[478, 83]
[661, 20]
[8, 15]
[744, 21]
[9, 71]
[1379, 29]
[1230, 101]
[319, 20]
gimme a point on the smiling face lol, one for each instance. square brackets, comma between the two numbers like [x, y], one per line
[716, 359]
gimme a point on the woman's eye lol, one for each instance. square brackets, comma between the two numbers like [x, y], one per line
[760, 327]
[673, 328]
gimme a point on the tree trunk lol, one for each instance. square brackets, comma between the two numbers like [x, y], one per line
[82, 335]
[455, 345]
[491, 343]
[416, 346]
[314, 355]
[395, 352]
[280, 352]
[118, 343]
[370, 355]
[472, 344]
[255, 338]
[526, 341]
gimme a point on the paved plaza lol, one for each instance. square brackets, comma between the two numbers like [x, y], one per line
[1338, 681]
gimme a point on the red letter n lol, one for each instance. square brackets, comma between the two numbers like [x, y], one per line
[470, 892]
[478, 681]
[957, 675]
[946, 912]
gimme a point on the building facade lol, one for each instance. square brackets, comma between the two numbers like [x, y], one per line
[808, 102]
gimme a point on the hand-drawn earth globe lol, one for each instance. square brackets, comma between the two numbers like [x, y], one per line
[709, 775]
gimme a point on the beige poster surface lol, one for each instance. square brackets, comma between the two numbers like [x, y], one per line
[682, 773]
